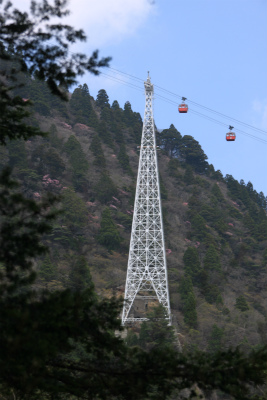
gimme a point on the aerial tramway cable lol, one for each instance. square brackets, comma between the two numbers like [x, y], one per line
[161, 97]
[196, 104]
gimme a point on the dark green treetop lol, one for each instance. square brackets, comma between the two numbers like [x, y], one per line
[109, 235]
[241, 303]
[170, 141]
[102, 99]
[32, 46]
[193, 153]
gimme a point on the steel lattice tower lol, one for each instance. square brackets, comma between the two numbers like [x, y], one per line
[147, 268]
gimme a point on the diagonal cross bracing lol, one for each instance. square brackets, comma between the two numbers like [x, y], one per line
[147, 269]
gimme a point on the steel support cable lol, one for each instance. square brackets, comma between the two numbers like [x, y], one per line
[196, 104]
[212, 119]
[191, 110]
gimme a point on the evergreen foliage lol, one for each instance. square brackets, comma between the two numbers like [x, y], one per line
[215, 190]
[48, 161]
[45, 50]
[156, 333]
[80, 277]
[105, 188]
[47, 270]
[81, 107]
[241, 303]
[108, 235]
[123, 159]
[188, 301]
[102, 99]
[74, 209]
[211, 260]
[191, 262]
[96, 148]
[194, 155]
[215, 340]
[188, 176]
[190, 314]
[17, 154]
[77, 160]
[105, 135]
[170, 141]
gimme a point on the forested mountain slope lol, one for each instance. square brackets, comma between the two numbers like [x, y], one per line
[215, 227]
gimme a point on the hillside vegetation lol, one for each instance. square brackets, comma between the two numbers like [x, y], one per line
[215, 227]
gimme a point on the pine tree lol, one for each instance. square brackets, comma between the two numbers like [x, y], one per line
[211, 259]
[80, 277]
[123, 159]
[193, 153]
[215, 190]
[188, 301]
[78, 162]
[81, 106]
[96, 148]
[108, 235]
[241, 303]
[215, 340]
[190, 313]
[102, 99]
[105, 188]
[191, 262]
[188, 175]
[170, 140]
[156, 333]
[105, 135]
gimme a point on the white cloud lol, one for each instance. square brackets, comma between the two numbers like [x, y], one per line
[104, 21]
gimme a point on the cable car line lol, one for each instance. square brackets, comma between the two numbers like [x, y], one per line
[159, 96]
[196, 104]
[172, 102]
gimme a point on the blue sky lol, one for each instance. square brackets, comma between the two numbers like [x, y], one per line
[212, 52]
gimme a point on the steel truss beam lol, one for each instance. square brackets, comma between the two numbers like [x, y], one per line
[147, 268]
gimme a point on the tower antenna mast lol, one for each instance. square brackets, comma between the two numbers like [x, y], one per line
[147, 268]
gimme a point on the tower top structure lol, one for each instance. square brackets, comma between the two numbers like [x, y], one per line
[148, 85]
[146, 279]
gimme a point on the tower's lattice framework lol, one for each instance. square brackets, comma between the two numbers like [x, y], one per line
[147, 268]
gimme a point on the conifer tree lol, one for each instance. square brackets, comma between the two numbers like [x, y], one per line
[170, 141]
[105, 188]
[190, 314]
[211, 259]
[80, 277]
[108, 235]
[215, 190]
[102, 99]
[96, 148]
[215, 340]
[188, 175]
[77, 160]
[241, 303]
[191, 262]
[105, 135]
[123, 159]
[156, 333]
[188, 301]
[193, 153]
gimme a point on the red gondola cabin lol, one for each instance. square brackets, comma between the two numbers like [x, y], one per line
[230, 137]
[183, 108]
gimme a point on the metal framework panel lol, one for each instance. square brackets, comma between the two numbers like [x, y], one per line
[147, 268]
